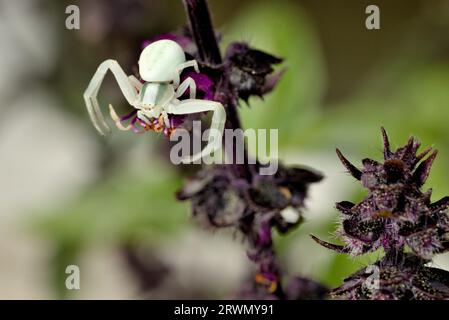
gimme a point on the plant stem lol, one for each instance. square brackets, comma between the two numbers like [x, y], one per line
[209, 54]
[204, 35]
[203, 31]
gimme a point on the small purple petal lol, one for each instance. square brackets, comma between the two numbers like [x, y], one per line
[264, 235]
[204, 85]
[176, 120]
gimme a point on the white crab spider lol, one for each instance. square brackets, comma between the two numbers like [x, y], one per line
[160, 65]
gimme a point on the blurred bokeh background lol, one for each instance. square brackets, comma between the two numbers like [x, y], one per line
[69, 196]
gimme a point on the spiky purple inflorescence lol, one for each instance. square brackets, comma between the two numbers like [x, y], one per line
[396, 216]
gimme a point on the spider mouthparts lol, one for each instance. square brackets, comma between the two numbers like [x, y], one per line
[168, 132]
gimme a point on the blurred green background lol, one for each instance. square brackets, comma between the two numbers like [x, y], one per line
[69, 196]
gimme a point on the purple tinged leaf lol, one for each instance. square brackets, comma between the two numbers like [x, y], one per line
[331, 246]
[387, 151]
[356, 173]
[271, 81]
[422, 172]
[251, 70]
[349, 285]
[422, 155]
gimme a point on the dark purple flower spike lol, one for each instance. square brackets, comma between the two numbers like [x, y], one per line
[395, 216]
[220, 198]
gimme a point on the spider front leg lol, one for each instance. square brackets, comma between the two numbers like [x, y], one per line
[135, 83]
[182, 66]
[188, 83]
[117, 120]
[216, 128]
[90, 95]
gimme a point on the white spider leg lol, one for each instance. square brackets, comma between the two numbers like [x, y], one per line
[216, 128]
[182, 66]
[138, 86]
[90, 95]
[116, 119]
[188, 83]
[135, 83]
[166, 119]
[142, 115]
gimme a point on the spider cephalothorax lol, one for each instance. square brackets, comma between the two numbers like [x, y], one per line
[160, 65]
